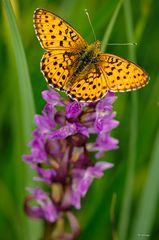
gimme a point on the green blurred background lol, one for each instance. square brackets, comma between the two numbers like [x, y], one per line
[124, 203]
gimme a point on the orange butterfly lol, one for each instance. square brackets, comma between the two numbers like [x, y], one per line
[81, 70]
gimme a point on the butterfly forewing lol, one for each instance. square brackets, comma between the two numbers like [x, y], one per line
[122, 75]
[54, 32]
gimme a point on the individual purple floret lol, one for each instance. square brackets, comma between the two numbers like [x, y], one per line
[67, 131]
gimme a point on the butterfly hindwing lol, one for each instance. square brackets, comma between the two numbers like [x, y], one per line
[57, 66]
[91, 87]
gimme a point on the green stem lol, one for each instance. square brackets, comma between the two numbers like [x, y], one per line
[110, 26]
[127, 196]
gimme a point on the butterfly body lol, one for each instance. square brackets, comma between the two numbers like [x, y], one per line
[87, 58]
[81, 70]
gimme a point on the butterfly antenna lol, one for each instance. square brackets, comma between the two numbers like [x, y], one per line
[90, 24]
[123, 44]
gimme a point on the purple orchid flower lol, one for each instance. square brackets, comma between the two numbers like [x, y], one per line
[60, 155]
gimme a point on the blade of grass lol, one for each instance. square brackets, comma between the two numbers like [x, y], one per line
[145, 12]
[9, 212]
[110, 26]
[127, 196]
[27, 102]
[147, 206]
[26, 106]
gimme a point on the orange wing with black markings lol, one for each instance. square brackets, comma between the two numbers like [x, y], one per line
[57, 67]
[54, 32]
[90, 87]
[122, 75]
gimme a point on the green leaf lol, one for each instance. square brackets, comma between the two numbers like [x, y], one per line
[26, 97]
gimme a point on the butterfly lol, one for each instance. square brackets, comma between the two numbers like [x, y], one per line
[83, 71]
